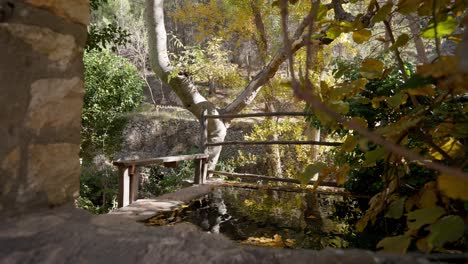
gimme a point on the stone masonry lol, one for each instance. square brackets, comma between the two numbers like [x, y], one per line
[41, 73]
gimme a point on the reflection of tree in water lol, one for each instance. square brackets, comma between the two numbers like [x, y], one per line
[241, 213]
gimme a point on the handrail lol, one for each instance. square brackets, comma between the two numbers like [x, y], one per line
[258, 115]
[276, 142]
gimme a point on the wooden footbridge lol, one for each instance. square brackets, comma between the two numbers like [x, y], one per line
[129, 172]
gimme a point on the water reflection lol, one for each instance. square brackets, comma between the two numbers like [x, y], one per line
[270, 217]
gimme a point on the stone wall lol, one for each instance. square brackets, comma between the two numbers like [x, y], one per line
[41, 73]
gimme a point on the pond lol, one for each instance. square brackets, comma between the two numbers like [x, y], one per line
[266, 217]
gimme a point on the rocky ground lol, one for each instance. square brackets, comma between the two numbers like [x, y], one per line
[69, 235]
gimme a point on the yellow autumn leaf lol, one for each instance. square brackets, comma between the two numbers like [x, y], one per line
[371, 68]
[449, 145]
[361, 36]
[454, 187]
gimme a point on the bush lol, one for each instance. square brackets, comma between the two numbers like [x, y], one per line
[113, 87]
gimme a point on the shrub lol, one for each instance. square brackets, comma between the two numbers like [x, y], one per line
[113, 87]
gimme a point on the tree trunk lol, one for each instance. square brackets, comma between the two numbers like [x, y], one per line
[186, 90]
[415, 32]
[180, 84]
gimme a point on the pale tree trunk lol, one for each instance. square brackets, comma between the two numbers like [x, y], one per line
[416, 32]
[180, 84]
[186, 90]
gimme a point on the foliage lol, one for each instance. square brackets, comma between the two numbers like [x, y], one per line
[293, 158]
[110, 35]
[165, 180]
[102, 35]
[422, 108]
[112, 88]
[209, 64]
[98, 190]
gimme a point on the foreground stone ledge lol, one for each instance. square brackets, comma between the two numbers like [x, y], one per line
[69, 235]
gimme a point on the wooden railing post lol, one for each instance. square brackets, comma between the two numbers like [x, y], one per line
[198, 172]
[134, 184]
[128, 185]
[124, 186]
[203, 131]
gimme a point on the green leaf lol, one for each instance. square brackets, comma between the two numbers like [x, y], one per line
[322, 12]
[371, 157]
[397, 100]
[400, 42]
[395, 210]
[383, 12]
[425, 216]
[371, 68]
[443, 28]
[406, 7]
[334, 32]
[340, 107]
[310, 171]
[447, 229]
[452, 186]
[361, 36]
[396, 244]
[349, 144]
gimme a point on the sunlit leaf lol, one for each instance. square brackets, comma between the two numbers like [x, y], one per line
[371, 68]
[310, 171]
[322, 12]
[334, 32]
[361, 36]
[452, 186]
[395, 210]
[383, 12]
[443, 28]
[447, 229]
[396, 244]
[425, 216]
[450, 146]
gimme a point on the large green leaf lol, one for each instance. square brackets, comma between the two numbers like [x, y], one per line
[396, 244]
[447, 229]
[371, 157]
[407, 7]
[400, 42]
[425, 216]
[371, 68]
[361, 36]
[310, 171]
[383, 12]
[395, 210]
[397, 100]
[443, 28]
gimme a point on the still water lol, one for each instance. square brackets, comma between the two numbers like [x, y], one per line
[269, 217]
